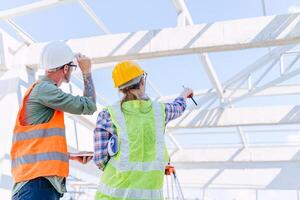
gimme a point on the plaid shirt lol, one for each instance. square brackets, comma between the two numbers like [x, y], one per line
[105, 129]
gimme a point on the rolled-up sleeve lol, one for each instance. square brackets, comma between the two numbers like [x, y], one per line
[175, 109]
[51, 96]
[103, 131]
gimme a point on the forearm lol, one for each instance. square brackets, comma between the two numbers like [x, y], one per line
[104, 129]
[101, 138]
[175, 109]
[53, 97]
[89, 89]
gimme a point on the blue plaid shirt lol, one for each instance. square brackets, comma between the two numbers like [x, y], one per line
[105, 129]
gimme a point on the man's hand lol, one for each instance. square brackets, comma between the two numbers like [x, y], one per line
[85, 66]
[186, 93]
[84, 63]
[82, 159]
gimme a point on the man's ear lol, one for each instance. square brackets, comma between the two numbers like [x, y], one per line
[66, 69]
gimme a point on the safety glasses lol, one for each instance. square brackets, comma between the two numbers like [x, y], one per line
[71, 64]
[145, 76]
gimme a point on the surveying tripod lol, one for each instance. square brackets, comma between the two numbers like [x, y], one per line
[170, 173]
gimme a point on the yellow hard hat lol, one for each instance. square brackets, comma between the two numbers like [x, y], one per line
[125, 71]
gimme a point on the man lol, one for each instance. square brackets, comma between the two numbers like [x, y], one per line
[40, 161]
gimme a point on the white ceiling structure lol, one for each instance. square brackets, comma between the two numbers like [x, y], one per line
[221, 151]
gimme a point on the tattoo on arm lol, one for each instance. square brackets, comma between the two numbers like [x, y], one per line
[89, 89]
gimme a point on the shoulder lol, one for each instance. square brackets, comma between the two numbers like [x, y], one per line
[103, 114]
[41, 89]
[45, 87]
[103, 120]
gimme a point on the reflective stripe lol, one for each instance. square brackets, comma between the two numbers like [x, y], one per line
[160, 129]
[130, 193]
[39, 157]
[38, 134]
[123, 164]
[138, 166]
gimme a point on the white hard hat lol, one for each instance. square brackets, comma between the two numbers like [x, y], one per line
[56, 54]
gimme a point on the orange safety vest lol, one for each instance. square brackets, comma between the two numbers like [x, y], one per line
[39, 150]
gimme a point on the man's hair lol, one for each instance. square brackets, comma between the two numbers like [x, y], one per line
[59, 68]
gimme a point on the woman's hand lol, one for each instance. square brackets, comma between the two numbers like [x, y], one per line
[187, 93]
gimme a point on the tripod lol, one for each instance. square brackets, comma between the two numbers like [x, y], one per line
[170, 173]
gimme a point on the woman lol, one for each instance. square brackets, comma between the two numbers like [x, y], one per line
[137, 170]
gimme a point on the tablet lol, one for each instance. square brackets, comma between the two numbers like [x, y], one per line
[81, 154]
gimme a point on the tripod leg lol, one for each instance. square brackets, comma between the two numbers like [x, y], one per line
[168, 192]
[178, 187]
[172, 187]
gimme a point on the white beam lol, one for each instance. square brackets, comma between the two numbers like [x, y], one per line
[185, 16]
[276, 81]
[249, 116]
[154, 87]
[33, 7]
[174, 141]
[94, 17]
[226, 155]
[2, 53]
[212, 75]
[8, 48]
[27, 38]
[263, 4]
[279, 90]
[218, 36]
[183, 12]
[261, 62]
[225, 117]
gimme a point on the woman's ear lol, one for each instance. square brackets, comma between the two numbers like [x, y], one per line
[122, 91]
[142, 82]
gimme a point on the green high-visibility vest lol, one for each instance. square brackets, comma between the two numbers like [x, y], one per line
[137, 171]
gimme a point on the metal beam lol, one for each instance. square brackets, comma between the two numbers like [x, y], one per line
[185, 16]
[2, 53]
[227, 117]
[219, 36]
[93, 15]
[154, 87]
[280, 90]
[30, 8]
[263, 4]
[27, 38]
[230, 155]
[279, 80]
[259, 63]
[212, 75]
